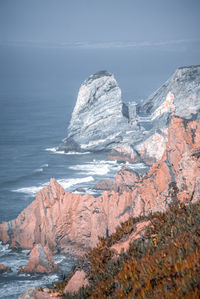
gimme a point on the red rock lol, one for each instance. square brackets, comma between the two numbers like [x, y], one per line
[77, 281]
[105, 184]
[126, 177]
[69, 221]
[125, 153]
[4, 268]
[34, 293]
[136, 234]
[40, 261]
[124, 180]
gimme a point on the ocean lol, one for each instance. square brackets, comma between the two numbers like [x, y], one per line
[38, 90]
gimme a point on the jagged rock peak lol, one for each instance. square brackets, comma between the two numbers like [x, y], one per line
[185, 86]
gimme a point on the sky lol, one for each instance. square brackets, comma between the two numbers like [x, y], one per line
[152, 34]
[102, 23]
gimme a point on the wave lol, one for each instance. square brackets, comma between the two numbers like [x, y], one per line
[95, 167]
[55, 151]
[136, 165]
[30, 190]
[65, 183]
[4, 249]
[41, 169]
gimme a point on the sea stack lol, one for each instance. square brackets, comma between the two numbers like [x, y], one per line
[100, 118]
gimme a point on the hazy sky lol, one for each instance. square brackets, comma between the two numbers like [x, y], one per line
[56, 44]
[100, 23]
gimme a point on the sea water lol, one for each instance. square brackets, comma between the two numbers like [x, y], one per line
[31, 129]
[34, 115]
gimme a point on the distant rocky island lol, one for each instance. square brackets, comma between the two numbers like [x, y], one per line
[162, 131]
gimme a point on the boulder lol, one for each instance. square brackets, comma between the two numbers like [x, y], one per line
[4, 268]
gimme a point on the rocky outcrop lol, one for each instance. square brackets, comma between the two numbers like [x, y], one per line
[100, 119]
[138, 232]
[34, 293]
[64, 220]
[130, 132]
[77, 281]
[106, 184]
[184, 85]
[124, 153]
[125, 179]
[4, 268]
[40, 261]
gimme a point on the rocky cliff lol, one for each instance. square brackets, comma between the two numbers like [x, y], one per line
[66, 221]
[130, 132]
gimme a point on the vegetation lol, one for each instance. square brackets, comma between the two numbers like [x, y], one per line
[164, 264]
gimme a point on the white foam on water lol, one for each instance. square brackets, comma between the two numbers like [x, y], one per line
[12, 289]
[66, 183]
[51, 149]
[55, 151]
[95, 167]
[44, 165]
[30, 190]
[136, 165]
[77, 153]
[41, 168]
[4, 249]
[91, 169]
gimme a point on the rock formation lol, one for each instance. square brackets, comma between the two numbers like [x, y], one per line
[125, 179]
[185, 86]
[40, 261]
[77, 281]
[64, 220]
[34, 293]
[136, 234]
[4, 268]
[130, 132]
[100, 119]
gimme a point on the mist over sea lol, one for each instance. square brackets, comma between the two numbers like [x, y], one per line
[38, 90]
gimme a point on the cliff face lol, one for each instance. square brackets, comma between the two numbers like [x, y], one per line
[69, 221]
[185, 86]
[130, 132]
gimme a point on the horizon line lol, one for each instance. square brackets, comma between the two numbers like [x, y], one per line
[96, 45]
